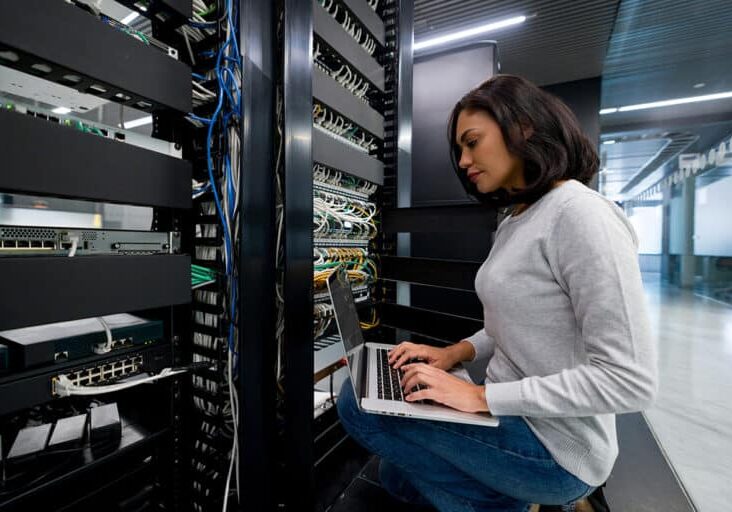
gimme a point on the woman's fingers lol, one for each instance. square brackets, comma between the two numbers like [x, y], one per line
[417, 373]
[397, 351]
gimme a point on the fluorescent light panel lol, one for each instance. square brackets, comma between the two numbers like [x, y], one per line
[130, 18]
[138, 122]
[668, 103]
[61, 110]
[464, 34]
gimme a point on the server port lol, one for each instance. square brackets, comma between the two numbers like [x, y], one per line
[61, 356]
[49, 244]
[23, 244]
[36, 244]
[66, 246]
[9, 244]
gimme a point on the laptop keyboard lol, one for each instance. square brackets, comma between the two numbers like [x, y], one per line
[389, 379]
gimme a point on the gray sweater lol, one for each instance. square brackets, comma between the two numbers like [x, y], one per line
[566, 328]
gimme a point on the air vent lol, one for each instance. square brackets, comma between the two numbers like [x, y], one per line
[21, 232]
[88, 235]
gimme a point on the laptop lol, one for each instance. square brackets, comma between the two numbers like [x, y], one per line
[376, 385]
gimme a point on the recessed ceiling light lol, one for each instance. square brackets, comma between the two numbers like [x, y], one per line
[669, 103]
[464, 34]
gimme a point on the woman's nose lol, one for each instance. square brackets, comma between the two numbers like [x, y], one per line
[465, 160]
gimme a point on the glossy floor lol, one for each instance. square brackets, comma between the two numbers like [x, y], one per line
[692, 417]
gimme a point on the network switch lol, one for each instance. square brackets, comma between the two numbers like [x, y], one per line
[93, 128]
[47, 241]
[65, 341]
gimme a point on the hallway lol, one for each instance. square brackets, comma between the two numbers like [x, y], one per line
[692, 417]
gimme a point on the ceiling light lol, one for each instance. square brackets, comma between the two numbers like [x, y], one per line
[699, 85]
[138, 122]
[608, 111]
[464, 34]
[130, 18]
[61, 110]
[670, 103]
[608, 141]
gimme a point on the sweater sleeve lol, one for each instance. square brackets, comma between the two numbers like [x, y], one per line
[483, 344]
[592, 251]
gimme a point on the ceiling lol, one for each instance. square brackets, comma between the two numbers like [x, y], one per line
[562, 41]
[645, 50]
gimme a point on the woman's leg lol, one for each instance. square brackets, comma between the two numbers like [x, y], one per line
[501, 468]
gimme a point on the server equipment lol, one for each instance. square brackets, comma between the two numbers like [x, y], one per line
[71, 79]
[66, 341]
[47, 241]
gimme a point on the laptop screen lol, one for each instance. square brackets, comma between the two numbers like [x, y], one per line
[345, 310]
[346, 317]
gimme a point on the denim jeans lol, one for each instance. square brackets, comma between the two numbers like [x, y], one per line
[461, 468]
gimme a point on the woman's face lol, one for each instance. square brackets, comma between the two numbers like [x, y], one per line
[484, 155]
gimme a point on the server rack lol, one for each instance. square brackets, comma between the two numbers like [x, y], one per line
[61, 43]
[345, 100]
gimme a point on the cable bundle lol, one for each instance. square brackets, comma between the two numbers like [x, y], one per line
[361, 269]
[322, 174]
[351, 24]
[217, 92]
[341, 217]
[331, 64]
[334, 123]
[201, 276]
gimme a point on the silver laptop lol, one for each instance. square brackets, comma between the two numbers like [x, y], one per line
[376, 385]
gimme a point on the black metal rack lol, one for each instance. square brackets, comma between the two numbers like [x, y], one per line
[61, 43]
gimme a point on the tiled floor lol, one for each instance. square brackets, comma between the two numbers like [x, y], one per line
[692, 417]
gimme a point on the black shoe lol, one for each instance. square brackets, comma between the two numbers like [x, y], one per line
[598, 501]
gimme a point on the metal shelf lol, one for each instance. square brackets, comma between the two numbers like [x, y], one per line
[467, 218]
[338, 155]
[75, 49]
[337, 37]
[333, 94]
[40, 290]
[454, 274]
[135, 438]
[50, 159]
[368, 17]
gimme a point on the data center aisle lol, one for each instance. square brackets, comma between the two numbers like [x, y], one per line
[692, 417]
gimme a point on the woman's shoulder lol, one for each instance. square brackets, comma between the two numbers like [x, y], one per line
[585, 209]
[574, 196]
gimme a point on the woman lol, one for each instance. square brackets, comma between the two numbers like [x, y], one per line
[566, 335]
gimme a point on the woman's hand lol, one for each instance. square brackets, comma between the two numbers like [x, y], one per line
[439, 386]
[442, 358]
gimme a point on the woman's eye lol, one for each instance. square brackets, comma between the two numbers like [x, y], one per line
[471, 143]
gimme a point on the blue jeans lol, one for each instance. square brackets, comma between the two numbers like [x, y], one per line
[461, 468]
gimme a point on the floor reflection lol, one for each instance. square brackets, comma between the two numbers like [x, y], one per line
[692, 417]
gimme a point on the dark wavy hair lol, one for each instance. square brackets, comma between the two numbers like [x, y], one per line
[555, 149]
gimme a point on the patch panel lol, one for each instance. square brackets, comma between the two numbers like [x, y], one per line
[102, 373]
